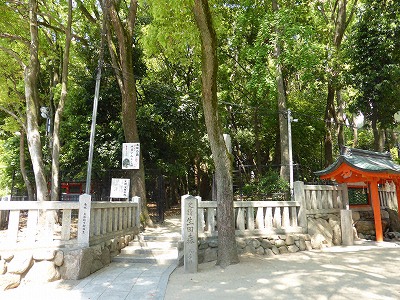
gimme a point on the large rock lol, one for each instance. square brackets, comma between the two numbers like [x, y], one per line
[42, 271]
[394, 221]
[210, 254]
[334, 222]
[319, 228]
[77, 264]
[318, 241]
[20, 263]
[59, 258]
[3, 267]
[9, 281]
[44, 254]
[365, 227]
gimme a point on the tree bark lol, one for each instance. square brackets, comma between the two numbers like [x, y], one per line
[227, 250]
[55, 165]
[282, 106]
[31, 73]
[122, 60]
[22, 166]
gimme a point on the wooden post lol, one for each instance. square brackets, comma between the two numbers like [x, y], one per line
[376, 206]
[190, 236]
[85, 202]
[299, 195]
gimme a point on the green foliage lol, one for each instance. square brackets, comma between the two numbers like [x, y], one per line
[375, 61]
[266, 185]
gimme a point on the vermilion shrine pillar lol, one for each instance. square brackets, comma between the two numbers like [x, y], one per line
[376, 207]
[398, 197]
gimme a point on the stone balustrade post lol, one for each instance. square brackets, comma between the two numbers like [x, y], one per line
[136, 199]
[85, 203]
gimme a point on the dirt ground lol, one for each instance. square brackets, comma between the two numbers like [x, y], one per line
[367, 271]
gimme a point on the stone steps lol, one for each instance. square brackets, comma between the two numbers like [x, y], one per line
[155, 245]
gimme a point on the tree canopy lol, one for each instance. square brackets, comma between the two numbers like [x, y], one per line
[337, 60]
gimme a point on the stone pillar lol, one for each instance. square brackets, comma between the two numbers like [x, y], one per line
[85, 202]
[376, 207]
[346, 223]
[136, 199]
[201, 221]
[190, 235]
[299, 196]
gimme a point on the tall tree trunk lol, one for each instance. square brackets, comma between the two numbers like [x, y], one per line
[329, 116]
[55, 165]
[22, 166]
[282, 107]
[355, 131]
[122, 60]
[379, 134]
[340, 117]
[31, 73]
[257, 142]
[340, 20]
[227, 250]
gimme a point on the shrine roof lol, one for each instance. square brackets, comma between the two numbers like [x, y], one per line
[363, 160]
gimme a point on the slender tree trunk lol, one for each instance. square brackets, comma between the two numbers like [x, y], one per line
[227, 250]
[282, 106]
[355, 132]
[340, 117]
[379, 134]
[22, 166]
[329, 116]
[122, 60]
[31, 73]
[55, 166]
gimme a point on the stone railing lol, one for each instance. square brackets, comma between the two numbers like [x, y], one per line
[388, 196]
[321, 199]
[253, 217]
[63, 223]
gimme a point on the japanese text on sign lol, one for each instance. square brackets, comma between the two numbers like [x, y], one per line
[130, 155]
[119, 188]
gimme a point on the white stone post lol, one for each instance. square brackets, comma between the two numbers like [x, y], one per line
[85, 203]
[299, 195]
[346, 222]
[190, 235]
[201, 222]
[136, 199]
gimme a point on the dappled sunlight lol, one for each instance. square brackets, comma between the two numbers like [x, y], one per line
[351, 273]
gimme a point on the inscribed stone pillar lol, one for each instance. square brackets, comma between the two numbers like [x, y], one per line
[190, 227]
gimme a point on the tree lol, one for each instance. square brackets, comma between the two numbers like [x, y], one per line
[337, 15]
[120, 20]
[227, 250]
[375, 65]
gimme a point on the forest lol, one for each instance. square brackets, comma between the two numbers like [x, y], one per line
[331, 66]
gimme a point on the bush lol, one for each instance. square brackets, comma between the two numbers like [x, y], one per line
[266, 185]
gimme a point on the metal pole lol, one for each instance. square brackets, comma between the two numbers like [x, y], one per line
[289, 116]
[94, 114]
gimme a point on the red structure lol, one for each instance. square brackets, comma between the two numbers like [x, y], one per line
[371, 168]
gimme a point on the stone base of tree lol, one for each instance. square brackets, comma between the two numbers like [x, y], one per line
[46, 265]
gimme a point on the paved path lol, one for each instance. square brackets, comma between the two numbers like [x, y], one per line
[366, 271]
[136, 281]
[122, 279]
